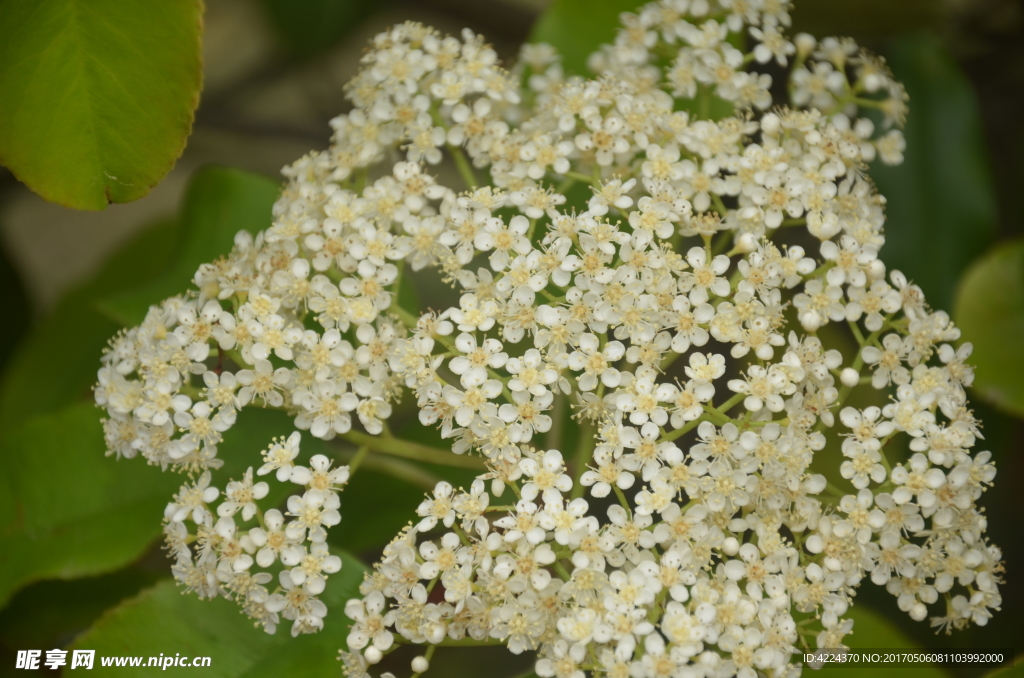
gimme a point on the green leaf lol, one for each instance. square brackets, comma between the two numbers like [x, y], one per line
[872, 630]
[56, 363]
[67, 511]
[58, 488]
[1014, 670]
[990, 312]
[51, 613]
[361, 529]
[578, 28]
[97, 96]
[941, 210]
[218, 203]
[162, 620]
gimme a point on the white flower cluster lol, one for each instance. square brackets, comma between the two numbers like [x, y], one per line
[685, 264]
[218, 558]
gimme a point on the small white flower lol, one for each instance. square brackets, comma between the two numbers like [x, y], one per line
[242, 495]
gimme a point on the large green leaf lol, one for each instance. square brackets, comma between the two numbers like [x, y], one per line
[62, 510]
[97, 96]
[941, 210]
[51, 613]
[990, 312]
[872, 630]
[578, 28]
[218, 203]
[56, 363]
[162, 620]
[66, 510]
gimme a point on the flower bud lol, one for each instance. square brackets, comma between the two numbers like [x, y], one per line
[850, 377]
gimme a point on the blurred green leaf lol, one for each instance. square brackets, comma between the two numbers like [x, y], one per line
[1015, 670]
[368, 523]
[941, 210]
[57, 483]
[219, 202]
[310, 26]
[990, 312]
[250, 435]
[162, 620]
[872, 630]
[97, 98]
[56, 363]
[52, 613]
[578, 28]
[70, 511]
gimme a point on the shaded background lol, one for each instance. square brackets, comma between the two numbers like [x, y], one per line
[274, 71]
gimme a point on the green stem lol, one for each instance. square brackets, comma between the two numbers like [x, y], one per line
[428, 655]
[462, 164]
[236, 358]
[729, 404]
[683, 430]
[357, 460]
[703, 103]
[836, 492]
[716, 416]
[584, 455]
[721, 244]
[622, 500]
[855, 328]
[406, 318]
[505, 507]
[410, 450]
[553, 438]
[396, 468]
[578, 176]
[565, 185]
